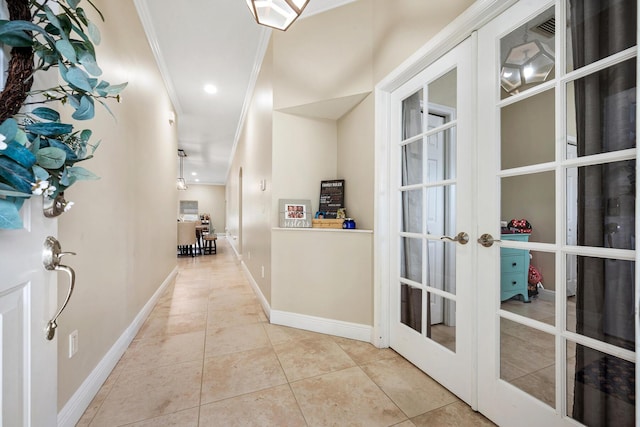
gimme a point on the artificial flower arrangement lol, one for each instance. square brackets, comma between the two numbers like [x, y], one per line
[39, 153]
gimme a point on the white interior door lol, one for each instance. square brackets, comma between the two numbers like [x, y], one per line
[27, 302]
[551, 74]
[431, 162]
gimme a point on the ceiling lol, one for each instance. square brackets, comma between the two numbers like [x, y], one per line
[217, 42]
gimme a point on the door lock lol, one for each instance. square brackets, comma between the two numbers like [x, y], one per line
[51, 255]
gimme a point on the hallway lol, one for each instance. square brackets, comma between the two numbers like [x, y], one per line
[207, 356]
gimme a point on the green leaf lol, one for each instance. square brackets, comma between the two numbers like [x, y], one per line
[82, 174]
[116, 89]
[71, 156]
[86, 110]
[94, 33]
[89, 63]
[47, 114]
[53, 19]
[19, 154]
[15, 175]
[79, 78]
[9, 128]
[21, 138]
[73, 3]
[65, 48]
[51, 157]
[14, 37]
[85, 135]
[9, 191]
[40, 173]
[49, 129]
[9, 216]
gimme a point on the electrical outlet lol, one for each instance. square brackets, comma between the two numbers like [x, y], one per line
[73, 343]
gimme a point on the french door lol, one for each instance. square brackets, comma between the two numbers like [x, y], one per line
[431, 311]
[557, 147]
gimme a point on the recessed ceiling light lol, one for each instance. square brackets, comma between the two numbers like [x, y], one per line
[197, 180]
[211, 89]
[194, 173]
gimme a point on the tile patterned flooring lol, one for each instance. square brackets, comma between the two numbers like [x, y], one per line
[207, 356]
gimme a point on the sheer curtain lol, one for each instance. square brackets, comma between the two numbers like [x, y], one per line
[604, 387]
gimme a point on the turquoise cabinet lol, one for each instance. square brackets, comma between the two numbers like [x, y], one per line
[514, 269]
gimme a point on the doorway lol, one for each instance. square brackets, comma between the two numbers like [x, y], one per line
[551, 185]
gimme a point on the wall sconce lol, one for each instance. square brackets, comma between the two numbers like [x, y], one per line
[530, 62]
[278, 14]
[263, 184]
[172, 117]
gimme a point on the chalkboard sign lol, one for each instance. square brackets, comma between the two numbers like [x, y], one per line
[331, 197]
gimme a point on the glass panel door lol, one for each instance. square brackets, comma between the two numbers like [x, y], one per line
[557, 174]
[431, 310]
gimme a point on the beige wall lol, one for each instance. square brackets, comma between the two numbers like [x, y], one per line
[249, 228]
[528, 137]
[211, 200]
[307, 68]
[318, 273]
[123, 225]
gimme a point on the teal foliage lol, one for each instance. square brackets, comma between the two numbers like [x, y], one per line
[37, 146]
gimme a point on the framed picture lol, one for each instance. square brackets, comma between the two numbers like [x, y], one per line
[331, 197]
[295, 213]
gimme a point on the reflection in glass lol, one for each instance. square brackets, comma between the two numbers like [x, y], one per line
[526, 55]
[542, 270]
[412, 221]
[412, 163]
[441, 148]
[441, 265]
[528, 131]
[443, 93]
[608, 217]
[527, 360]
[411, 259]
[411, 307]
[532, 197]
[605, 312]
[412, 115]
[608, 122]
[584, 17]
[443, 326]
[601, 381]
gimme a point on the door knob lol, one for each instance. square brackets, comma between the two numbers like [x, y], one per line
[461, 237]
[487, 240]
[51, 255]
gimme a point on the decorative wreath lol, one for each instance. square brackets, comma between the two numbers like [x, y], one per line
[38, 153]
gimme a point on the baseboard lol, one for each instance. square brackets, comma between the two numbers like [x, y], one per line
[81, 399]
[322, 325]
[263, 301]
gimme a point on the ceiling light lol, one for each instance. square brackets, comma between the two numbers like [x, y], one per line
[278, 14]
[181, 183]
[194, 173]
[211, 89]
[526, 63]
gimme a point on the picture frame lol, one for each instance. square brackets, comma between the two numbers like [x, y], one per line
[294, 213]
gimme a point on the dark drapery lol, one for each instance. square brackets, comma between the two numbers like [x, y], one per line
[604, 388]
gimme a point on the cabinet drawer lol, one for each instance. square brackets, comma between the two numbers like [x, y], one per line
[512, 263]
[513, 281]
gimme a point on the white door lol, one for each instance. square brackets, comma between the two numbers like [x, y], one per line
[27, 302]
[551, 73]
[431, 187]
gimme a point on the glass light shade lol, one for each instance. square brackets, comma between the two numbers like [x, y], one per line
[181, 184]
[278, 14]
[530, 62]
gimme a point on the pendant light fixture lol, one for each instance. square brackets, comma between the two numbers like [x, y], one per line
[181, 184]
[278, 14]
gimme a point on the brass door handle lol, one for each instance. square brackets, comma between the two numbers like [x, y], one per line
[487, 240]
[461, 237]
[51, 255]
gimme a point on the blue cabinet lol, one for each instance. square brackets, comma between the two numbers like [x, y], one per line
[514, 269]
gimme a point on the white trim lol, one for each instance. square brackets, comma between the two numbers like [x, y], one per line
[72, 411]
[322, 325]
[263, 301]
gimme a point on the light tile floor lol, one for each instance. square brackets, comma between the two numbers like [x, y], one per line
[207, 356]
